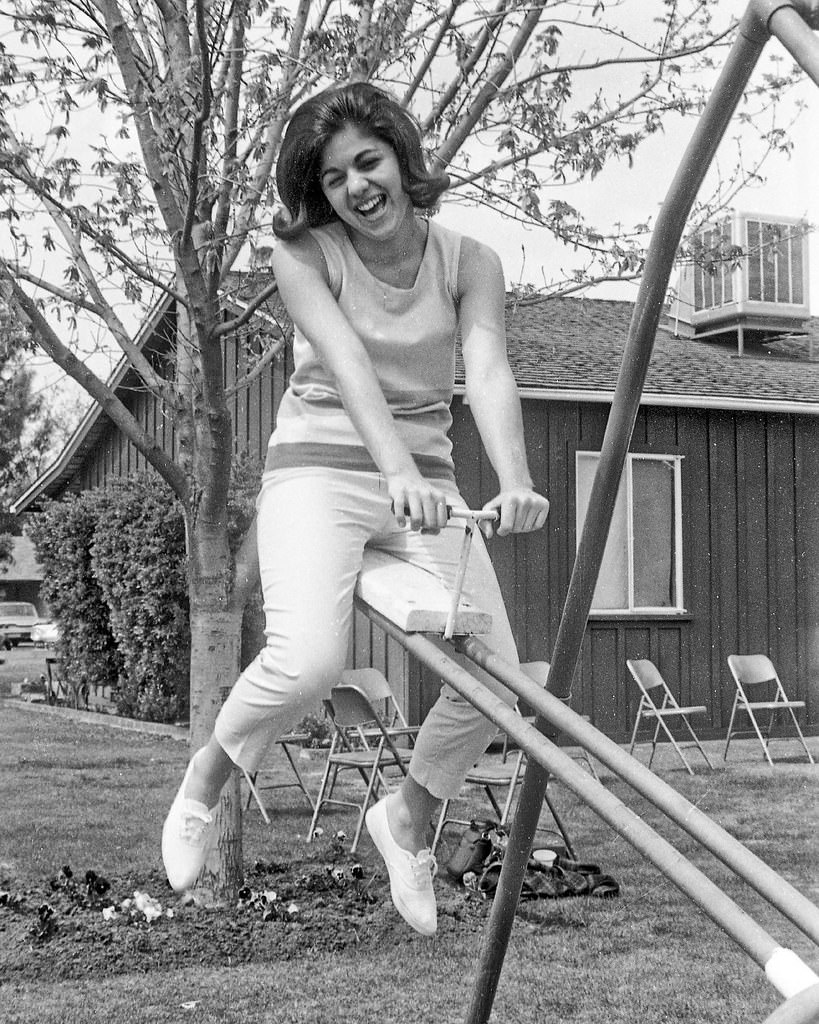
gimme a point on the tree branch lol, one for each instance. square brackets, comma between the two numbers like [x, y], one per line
[18, 170]
[555, 142]
[361, 61]
[101, 306]
[648, 58]
[199, 124]
[234, 91]
[60, 293]
[257, 370]
[145, 36]
[431, 53]
[248, 311]
[123, 42]
[101, 393]
[485, 36]
[261, 175]
[489, 91]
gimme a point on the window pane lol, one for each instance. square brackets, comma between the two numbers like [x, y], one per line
[769, 240]
[725, 264]
[754, 265]
[796, 266]
[612, 583]
[654, 562]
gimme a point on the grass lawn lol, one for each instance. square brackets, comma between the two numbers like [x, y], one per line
[92, 796]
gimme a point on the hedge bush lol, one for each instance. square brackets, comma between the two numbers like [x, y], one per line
[63, 534]
[115, 580]
[138, 559]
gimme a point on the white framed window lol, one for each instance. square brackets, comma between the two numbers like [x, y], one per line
[642, 564]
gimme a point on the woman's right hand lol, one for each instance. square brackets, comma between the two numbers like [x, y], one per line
[419, 501]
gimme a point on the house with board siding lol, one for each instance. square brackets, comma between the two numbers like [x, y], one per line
[714, 547]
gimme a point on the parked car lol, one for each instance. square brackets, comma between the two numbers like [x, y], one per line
[17, 619]
[45, 634]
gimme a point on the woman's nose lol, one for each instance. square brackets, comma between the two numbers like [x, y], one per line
[356, 183]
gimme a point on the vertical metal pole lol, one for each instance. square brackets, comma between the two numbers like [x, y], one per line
[664, 242]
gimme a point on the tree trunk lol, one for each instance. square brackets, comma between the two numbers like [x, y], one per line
[215, 651]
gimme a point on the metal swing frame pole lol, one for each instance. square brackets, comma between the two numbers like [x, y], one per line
[710, 129]
[784, 969]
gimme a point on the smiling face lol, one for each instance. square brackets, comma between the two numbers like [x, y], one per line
[361, 179]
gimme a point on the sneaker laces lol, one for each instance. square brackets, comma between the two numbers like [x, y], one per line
[193, 824]
[424, 867]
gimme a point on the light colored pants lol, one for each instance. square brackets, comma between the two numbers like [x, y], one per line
[313, 525]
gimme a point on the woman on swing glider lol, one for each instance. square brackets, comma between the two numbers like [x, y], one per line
[360, 456]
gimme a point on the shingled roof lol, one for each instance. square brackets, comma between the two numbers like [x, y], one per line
[572, 347]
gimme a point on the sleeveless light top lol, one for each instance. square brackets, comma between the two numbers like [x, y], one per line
[409, 334]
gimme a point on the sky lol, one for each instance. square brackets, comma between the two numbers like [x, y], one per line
[634, 194]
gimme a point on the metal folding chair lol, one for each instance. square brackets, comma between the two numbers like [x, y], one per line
[505, 773]
[294, 739]
[653, 686]
[755, 673]
[368, 728]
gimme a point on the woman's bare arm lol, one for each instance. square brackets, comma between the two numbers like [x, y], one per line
[491, 389]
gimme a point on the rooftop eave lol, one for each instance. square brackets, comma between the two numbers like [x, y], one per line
[686, 401]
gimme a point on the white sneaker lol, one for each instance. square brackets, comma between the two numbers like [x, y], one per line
[186, 838]
[410, 875]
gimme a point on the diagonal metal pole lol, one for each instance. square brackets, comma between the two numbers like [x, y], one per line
[742, 58]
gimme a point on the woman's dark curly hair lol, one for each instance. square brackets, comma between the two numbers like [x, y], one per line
[312, 126]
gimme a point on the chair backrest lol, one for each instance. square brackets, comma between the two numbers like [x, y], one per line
[351, 706]
[379, 692]
[646, 674]
[751, 670]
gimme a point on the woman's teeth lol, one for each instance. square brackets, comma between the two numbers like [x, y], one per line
[371, 206]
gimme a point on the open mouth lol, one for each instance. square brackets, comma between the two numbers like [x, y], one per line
[371, 207]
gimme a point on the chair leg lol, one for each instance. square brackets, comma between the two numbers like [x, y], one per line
[297, 773]
[254, 793]
[730, 732]
[667, 731]
[511, 789]
[635, 730]
[364, 807]
[442, 823]
[759, 735]
[558, 821]
[696, 740]
[495, 806]
[320, 800]
[584, 756]
[654, 741]
[801, 737]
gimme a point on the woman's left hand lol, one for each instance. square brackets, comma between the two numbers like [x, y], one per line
[520, 509]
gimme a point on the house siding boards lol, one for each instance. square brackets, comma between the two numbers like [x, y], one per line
[750, 502]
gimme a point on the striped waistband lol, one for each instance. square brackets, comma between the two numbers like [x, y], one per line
[347, 456]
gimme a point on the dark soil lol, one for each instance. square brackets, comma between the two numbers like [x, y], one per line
[77, 925]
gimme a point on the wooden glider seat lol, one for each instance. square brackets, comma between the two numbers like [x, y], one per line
[413, 598]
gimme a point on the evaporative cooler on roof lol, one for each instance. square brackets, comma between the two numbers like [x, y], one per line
[749, 278]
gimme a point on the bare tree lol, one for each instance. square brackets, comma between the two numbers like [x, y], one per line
[137, 144]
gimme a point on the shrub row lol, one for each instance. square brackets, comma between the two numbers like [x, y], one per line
[114, 563]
